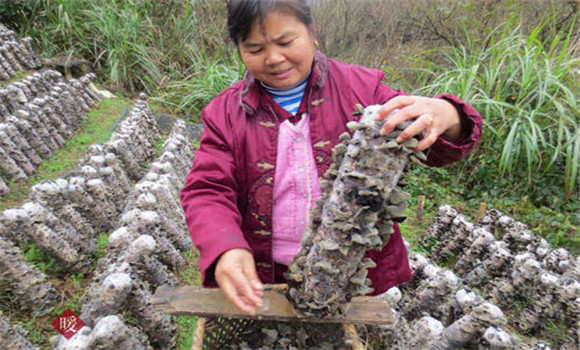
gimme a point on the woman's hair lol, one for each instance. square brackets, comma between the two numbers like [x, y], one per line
[243, 13]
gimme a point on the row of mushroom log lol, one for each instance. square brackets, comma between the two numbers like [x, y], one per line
[444, 309]
[15, 55]
[143, 253]
[504, 259]
[37, 115]
[63, 217]
[436, 310]
[143, 250]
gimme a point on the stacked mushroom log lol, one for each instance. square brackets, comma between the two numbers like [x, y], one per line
[37, 115]
[63, 217]
[110, 332]
[12, 337]
[15, 55]
[355, 214]
[447, 319]
[436, 312]
[4, 189]
[143, 253]
[504, 270]
[31, 290]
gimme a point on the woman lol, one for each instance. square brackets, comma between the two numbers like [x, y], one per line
[268, 139]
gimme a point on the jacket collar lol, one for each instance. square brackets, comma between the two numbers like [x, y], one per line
[252, 91]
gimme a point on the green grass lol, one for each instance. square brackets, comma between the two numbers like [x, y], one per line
[35, 335]
[189, 274]
[185, 327]
[96, 129]
[39, 258]
[135, 45]
[102, 241]
[159, 144]
[525, 85]
[174, 50]
[19, 76]
[555, 332]
[79, 285]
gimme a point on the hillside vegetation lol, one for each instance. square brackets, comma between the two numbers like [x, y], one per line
[516, 61]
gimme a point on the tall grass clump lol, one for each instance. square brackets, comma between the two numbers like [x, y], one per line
[527, 91]
[135, 45]
[188, 96]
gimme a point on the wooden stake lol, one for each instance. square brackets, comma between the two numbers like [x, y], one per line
[420, 205]
[352, 337]
[480, 212]
[197, 342]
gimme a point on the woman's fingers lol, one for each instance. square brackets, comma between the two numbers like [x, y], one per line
[424, 122]
[236, 275]
[407, 108]
[402, 109]
[247, 288]
[427, 141]
[256, 284]
[435, 116]
[235, 297]
[239, 291]
[398, 102]
[398, 117]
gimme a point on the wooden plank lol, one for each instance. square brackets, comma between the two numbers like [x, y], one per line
[198, 301]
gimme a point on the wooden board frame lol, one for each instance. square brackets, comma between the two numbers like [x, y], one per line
[204, 302]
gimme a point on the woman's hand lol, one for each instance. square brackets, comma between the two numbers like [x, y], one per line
[236, 275]
[435, 116]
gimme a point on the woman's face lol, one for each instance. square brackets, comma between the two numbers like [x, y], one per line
[279, 51]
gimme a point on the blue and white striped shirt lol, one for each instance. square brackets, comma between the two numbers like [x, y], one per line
[289, 99]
